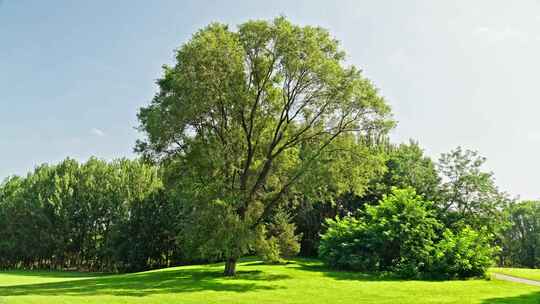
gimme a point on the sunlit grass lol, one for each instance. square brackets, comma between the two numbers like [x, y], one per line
[303, 281]
[531, 274]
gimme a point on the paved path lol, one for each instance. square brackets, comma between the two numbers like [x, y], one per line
[505, 277]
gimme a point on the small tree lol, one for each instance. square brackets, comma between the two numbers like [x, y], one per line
[277, 240]
[245, 115]
[409, 167]
[469, 194]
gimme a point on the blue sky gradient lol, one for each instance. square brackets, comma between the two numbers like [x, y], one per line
[74, 73]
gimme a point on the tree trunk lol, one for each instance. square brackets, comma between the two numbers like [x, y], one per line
[230, 267]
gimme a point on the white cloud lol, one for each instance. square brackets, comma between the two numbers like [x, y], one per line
[97, 132]
[533, 136]
[398, 57]
[498, 35]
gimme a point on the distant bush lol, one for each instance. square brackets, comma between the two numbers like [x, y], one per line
[400, 235]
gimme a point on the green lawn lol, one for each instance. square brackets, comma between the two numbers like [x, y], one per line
[531, 274]
[303, 281]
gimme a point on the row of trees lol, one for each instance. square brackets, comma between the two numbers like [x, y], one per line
[94, 216]
[521, 239]
[127, 215]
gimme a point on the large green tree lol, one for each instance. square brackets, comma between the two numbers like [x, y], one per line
[406, 165]
[469, 195]
[245, 115]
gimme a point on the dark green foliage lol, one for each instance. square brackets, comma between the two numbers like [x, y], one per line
[400, 166]
[396, 235]
[409, 167]
[90, 216]
[348, 244]
[521, 238]
[400, 234]
[277, 240]
[311, 216]
[147, 239]
[469, 196]
[405, 166]
[406, 227]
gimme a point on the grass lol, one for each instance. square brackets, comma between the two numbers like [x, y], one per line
[36, 277]
[303, 281]
[525, 273]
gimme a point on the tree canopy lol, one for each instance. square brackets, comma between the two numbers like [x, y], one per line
[245, 114]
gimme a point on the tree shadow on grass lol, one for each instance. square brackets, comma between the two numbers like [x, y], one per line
[531, 298]
[53, 274]
[316, 266]
[150, 283]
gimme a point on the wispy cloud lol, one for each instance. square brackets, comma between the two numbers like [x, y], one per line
[533, 136]
[75, 140]
[501, 34]
[398, 57]
[97, 132]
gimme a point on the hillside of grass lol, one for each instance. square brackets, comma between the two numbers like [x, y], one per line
[525, 273]
[301, 281]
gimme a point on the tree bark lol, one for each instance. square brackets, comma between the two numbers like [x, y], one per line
[230, 267]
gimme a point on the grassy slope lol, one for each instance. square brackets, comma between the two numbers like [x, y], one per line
[36, 277]
[531, 274]
[300, 282]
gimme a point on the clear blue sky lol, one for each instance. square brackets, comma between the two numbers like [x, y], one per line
[74, 73]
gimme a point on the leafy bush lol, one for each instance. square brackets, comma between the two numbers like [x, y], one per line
[400, 235]
[347, 245]
[396, 235]
[406, 227]
[462, 255]
[268, 248]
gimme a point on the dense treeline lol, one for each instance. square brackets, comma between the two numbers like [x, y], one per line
[521, 241]
[96, 216]
[125, 215]
[465, 222]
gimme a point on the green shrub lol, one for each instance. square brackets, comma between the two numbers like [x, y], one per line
[400, 235]
[268, 248]
[462, 255]
[396, 235]
[347, 245]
